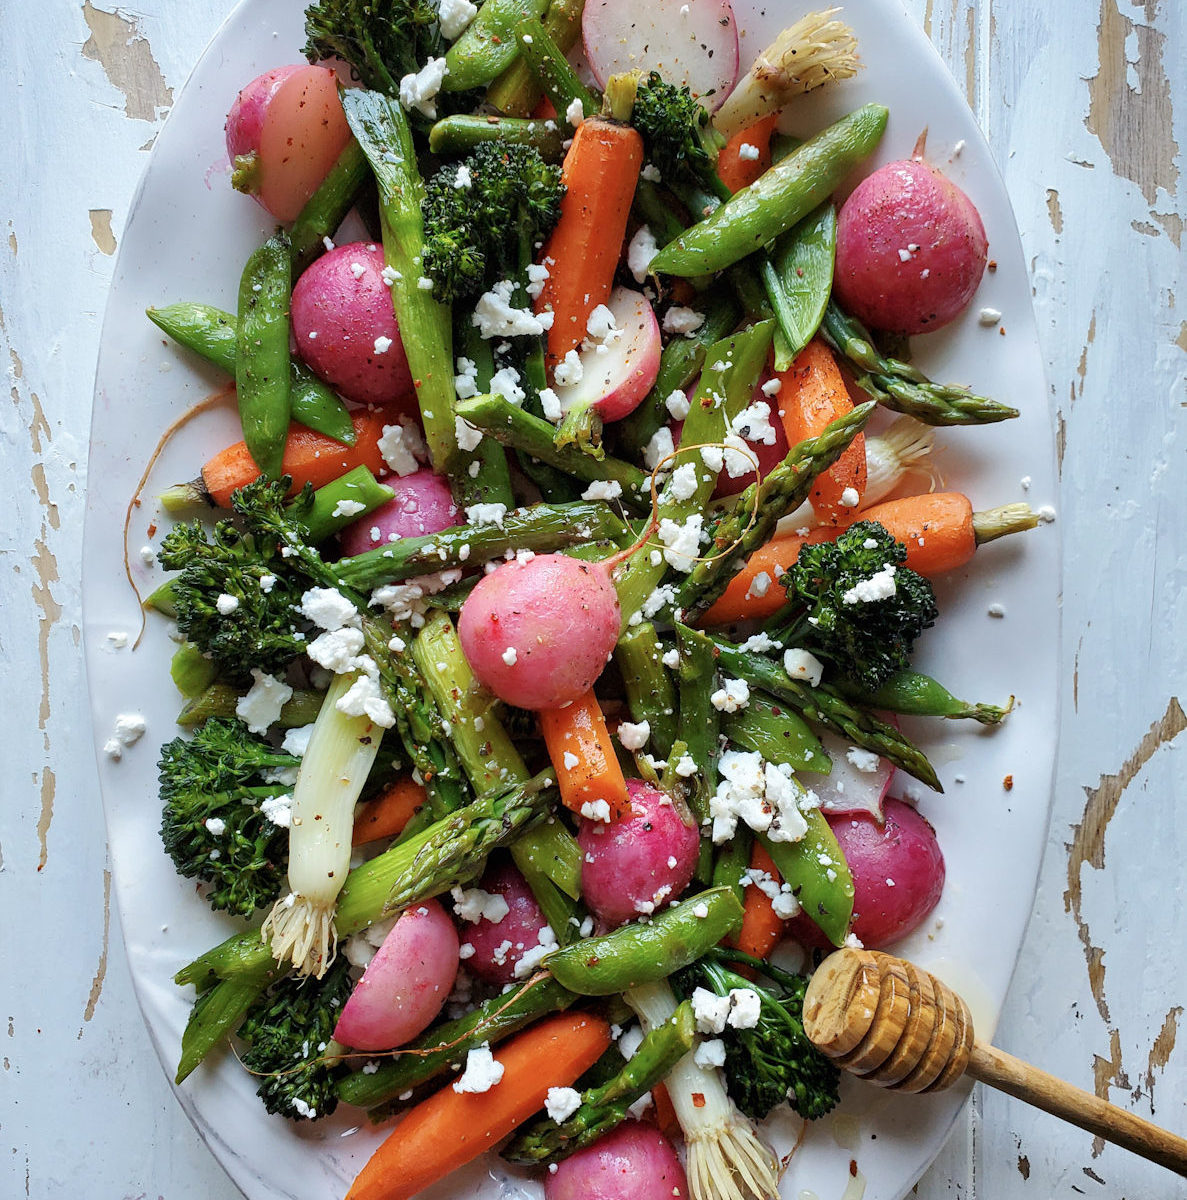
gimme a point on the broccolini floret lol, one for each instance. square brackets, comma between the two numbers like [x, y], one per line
[853, 603]
[287, 1032]
[774, 1061]
[484, 215]
[676, 134]
[214, 823]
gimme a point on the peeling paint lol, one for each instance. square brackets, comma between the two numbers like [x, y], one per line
[1024, 1166]
[1108, 1073]
[1133, 124]
[970, 57]
[123, 52]
[1054, 210]
[1060, 441]
[928, 16]
[101, 233]
[1082, 365]
[46, 816]
[1172, 226]
[1181, 340]
[1144, 228]
[12, 245]
[1160, 1051]
[101, 969]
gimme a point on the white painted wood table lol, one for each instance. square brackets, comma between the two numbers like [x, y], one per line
[1078, 98]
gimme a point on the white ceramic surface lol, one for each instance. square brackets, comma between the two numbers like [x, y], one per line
[187, 238]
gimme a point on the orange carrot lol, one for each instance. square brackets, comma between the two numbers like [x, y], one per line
[737, 172]
[740, 601]
[308, 457]
[450, 1129]
[578, 732]
[761, 929]
[600, 171]
[665, 1112]
[937, 529]
[813, 394]
[388, 813]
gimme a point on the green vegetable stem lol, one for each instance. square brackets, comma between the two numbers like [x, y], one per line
[556, 77]
[460, 133]
[649, 689]
[488, 47]
[221, 699]
[326, 209]
[818, 875]
[700, 722]
[912, 693]
[516, 91]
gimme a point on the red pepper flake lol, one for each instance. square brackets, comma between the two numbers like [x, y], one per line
[698, 1099]
[992, 264]
[1008, 783]
[152, 530]
[853, 1167]
[1002, 330]
[592, 961]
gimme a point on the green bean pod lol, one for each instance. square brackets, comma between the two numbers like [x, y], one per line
[213, 334]
[819, 877]
[733, 861]
[334, 503]
[326, 209]
[262, 354]
[700, 722]
[488, 47]
[516, 92]
[777, 200]
[646, 953]
[462, 132]
[778, 734]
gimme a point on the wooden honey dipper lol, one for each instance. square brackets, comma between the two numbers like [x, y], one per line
[900, 1027]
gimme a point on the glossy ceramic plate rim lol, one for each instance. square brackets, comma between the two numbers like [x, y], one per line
[261, 1154]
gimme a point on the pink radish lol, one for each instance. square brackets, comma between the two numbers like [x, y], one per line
[422, 504]
[538, 632]
[405, 985]
[286, 128]
[898, 875]
[495, 947]
[633, 1162]
[346, 330]
[693, 42]
[858, 781]
[620, 361]
[640, 864]
[911, 249]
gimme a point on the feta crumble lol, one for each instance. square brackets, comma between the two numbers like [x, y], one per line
[263, 702]
[596, 810]
[880, 586]
[495, 316]
[474, 905]
[865, 761]
[748, 152]
[129, 729]
[396, 448]
[226, 604]
[603, 489]
[801, 664]
[733, 695]
[562, 1102]
[482, 1072]
[679, 319]
[510, 656]
[640, 252]
[419, 90]
[634, 736]
[486, 514]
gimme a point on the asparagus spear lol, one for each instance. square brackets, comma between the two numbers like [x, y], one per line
[902, 387]
[460, 133]
[604, 1108]
[699, 720]
[649, 690]
[752, 521]
[447, 853]
[826, 706]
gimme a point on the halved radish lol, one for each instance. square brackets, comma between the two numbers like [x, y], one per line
[303, 132]
[693, 42]
[858, 781]
[616, 370]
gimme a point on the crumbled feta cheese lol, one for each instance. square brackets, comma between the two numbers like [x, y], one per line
[682, 541]
[800, 664]
[119, 639]
[505, 382]
[772, 387]
[850, 498]
[1046, 514]
[562, 1102]
[760, 643]
[710, 1054]
[420, 89]
[700, 910]
[215, 826]
[495, 316]
[569, 370]
[879, 586]
[989, 317]
[761, 794]
[745, 1007]
[263, 702]
[679, 319]
[226, 604]
[651, 173]
[575, 113]
[601, 326]
[677, 405]
[686, 766]
[683, 484]
[129, 729]
[396, 450]
[596, 810]
[382, 344]
[629, 1043]
[510, 656]
[634, 736]
[465, 381]
[603, 489]
[658, 448]
[468, 438]
[474, 905]
[296, 741]
[358, 270]
[390, 276]
[482, 1071]
[453, 16]
[486, 514]
[710, 1010]
[997, 610]
[278, 810]
[535, 955]
[734, 455]
[864, 760]
[640, 252]
[327, 608]
[537, 274]
[348, 508]
[302, 1108]
[748, 152]
[550, 402]
[671, 658]
[364, 698]
[570, 760]
[759, 586]
[731, 696]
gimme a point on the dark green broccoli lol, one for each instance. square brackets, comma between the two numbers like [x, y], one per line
[484, 216]
[287, 1031]
[675, 129]
[212, 788]
[853, 603]
[774, 1061]
[382, 40]
[258, 626]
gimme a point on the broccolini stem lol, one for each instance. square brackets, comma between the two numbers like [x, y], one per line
[901, 387]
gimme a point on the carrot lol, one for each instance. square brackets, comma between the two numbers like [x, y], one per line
[599, 172]
[937, 529]
[813, 394]
[737, 172]
[450, 1129]
[665, 1117]
[308, 457]
[388, 813]
[761, 929]
[578, 732]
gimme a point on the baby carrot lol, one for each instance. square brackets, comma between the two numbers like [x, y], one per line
[388, 813]
[737, 170]
[812, 395]
[450, 1129]
[761, 928]
[308, 458]
[742, 600]
[599, 173]
[583, 756]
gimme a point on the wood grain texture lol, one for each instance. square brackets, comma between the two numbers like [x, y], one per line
[1082, 102]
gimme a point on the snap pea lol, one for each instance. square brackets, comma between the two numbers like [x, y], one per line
[488, 47]
[778, 734]
[262, 354]
[779, 198]
[700, 722]
[552, 70]
[802, 263]
[819, 877]
[462, 132]
[732, 862]
[326, 209]
[516, 91]
[912, 693]
[213, 333]
[649, 690]
[191, 671]
[638, 953]
[335, 503]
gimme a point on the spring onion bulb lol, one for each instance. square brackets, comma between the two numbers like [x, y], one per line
[301, 927]
[895, 453]
[726, 1160]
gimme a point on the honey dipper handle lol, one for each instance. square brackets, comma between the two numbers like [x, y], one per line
[1024, 1082]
